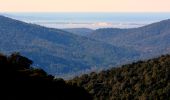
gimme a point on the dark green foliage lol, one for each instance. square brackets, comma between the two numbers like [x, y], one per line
[143, 80]
[19, 81]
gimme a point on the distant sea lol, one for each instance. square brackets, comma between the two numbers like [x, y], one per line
[89, 20]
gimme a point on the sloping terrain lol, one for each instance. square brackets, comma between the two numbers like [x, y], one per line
[142, 80]
[59, 52]
[150, 40]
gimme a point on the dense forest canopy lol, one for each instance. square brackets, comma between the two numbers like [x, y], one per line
[143, 80]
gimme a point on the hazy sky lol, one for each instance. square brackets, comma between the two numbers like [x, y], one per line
[84, 5]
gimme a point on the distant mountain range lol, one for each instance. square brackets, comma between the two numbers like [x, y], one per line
[66, 53]
[70, 52]
[59, 52]
[151, 40]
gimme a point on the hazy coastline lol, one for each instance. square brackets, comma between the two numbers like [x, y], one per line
[89, 20]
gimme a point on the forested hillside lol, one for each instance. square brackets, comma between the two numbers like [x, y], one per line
[19, 81]
[150, 40]
[143, 80]
[60, 53]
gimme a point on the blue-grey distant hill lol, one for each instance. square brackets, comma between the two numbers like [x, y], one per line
[59, 52]
[151, 40]
[79, 31]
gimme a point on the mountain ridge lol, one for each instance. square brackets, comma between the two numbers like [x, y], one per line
[148, 39]
[68, 53]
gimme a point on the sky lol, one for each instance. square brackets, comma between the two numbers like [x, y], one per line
[84, 5]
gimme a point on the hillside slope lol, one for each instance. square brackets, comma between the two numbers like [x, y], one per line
[150, 40]
[143, 80]
[58, 52]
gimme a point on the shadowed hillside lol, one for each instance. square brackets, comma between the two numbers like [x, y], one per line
[19, 81]
[143, 80]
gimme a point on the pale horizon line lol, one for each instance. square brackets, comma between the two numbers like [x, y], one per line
[83, 12]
